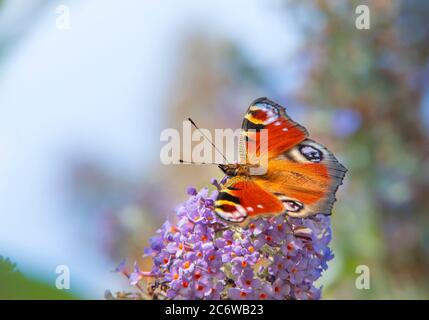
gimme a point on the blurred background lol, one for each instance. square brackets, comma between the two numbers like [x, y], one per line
[82, 106]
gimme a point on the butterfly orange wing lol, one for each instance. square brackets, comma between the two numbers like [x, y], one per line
[241, 197]
[305, 178]
[283, 132]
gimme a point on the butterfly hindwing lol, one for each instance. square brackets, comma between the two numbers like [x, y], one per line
[305, 178]
[241, 197]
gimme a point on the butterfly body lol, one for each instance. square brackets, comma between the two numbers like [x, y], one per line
[300, 178]
[237, 169]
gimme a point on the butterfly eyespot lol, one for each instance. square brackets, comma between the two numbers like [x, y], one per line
[310, 153]
[292, 206]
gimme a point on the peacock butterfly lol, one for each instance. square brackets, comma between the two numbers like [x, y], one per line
[301, 178]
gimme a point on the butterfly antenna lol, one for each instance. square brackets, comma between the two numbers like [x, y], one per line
[192, 162]
[211, 142]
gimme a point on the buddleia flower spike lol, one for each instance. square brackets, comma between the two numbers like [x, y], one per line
[201, 257]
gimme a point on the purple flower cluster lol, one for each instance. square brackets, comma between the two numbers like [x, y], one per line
[202, 257]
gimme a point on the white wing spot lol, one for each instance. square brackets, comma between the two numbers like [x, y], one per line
[277, 123]
[260, 206]
[284, 129]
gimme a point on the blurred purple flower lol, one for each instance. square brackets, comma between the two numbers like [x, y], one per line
[202, 257]
[345, 122]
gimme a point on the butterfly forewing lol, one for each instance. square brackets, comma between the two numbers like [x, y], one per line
[283, 133]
